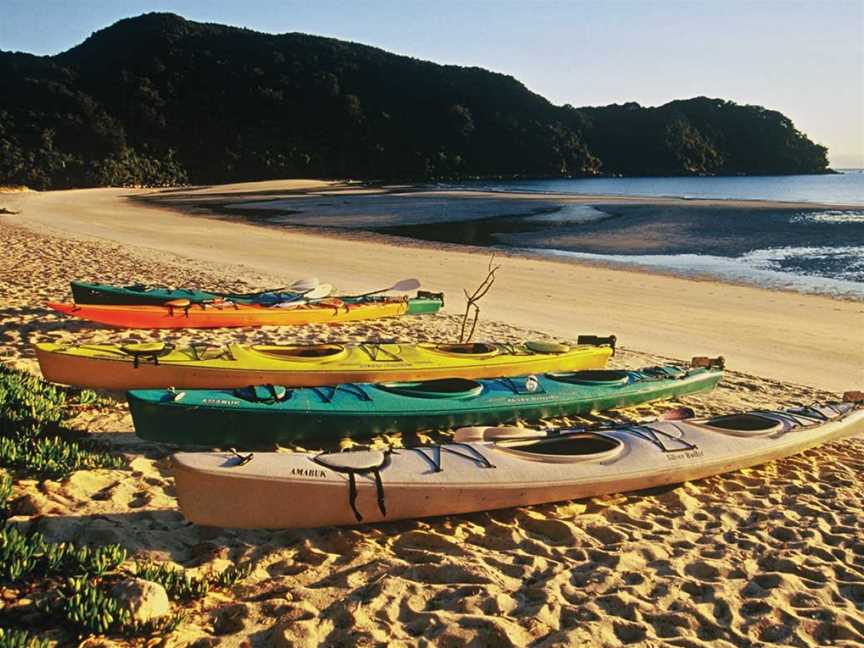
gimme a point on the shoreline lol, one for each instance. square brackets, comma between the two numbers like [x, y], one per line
[807, 339]
[592, 198]
[234, 210]
[516, 224]
[549, 255]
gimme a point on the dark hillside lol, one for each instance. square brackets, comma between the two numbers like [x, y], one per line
[158, 100]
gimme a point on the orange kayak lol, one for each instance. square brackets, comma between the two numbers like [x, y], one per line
[229, 314]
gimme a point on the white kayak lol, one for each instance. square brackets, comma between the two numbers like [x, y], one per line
[491, 468]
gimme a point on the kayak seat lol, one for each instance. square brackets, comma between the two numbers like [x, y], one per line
[151, 351]
[592, 377]
[359, 461]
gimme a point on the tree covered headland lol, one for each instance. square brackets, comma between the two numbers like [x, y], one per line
[159, 100]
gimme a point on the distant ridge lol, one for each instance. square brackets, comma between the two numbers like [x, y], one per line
[161, 100]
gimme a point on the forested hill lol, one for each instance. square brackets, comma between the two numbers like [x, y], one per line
[161, 100]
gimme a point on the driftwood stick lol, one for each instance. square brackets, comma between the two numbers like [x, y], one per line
[471, 305]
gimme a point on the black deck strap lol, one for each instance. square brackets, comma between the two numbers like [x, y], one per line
[250, 394]
[244, 459]
[379, 489]
[434, 458]
[510, 348]
[434, 461]
[377, 353]
[815, 413]
[510, 384]
[598, 340]
[352, 473]
[809, 413]
[137, 355]
[655, 436]
[472, 455]
[355, 390]
[794, 419]
[326, 392]
[663, 372]
[426, 294]
[199, 348]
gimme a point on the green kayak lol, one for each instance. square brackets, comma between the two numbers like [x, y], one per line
[140, 294]
[270, 414]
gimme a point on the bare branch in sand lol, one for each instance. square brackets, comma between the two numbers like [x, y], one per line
[471, 306]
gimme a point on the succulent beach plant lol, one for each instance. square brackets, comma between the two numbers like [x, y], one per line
[16, 638]
[32, 436]
[71, 584]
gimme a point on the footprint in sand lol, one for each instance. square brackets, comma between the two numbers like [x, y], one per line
[558, 531]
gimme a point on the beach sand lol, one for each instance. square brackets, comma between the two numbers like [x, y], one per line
[771, 555]
[808, 339]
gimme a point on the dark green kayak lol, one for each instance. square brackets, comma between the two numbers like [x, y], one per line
[273, 414]
[140, 294]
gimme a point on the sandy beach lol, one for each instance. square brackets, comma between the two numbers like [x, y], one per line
[767, 556]
[808, 339]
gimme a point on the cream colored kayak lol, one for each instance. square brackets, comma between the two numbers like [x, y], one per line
[493, 468]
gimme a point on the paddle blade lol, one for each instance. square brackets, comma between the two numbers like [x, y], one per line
[313, 296]
[304, 285]
[319, 292]
[405, 285]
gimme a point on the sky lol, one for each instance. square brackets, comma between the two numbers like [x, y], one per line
[805, 59]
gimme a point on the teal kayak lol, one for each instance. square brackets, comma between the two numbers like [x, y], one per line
[269, 414]
[140, 294]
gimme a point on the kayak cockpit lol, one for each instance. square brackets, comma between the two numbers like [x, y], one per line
[567, 448]
[604, 377]
[442, 388]
[473, 349]
[296, 352]
[744, 425]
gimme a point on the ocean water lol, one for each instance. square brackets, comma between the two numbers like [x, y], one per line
[816, 245]
[843, 188]
[807, 249]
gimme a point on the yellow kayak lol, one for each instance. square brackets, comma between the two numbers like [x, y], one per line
[157, 365]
